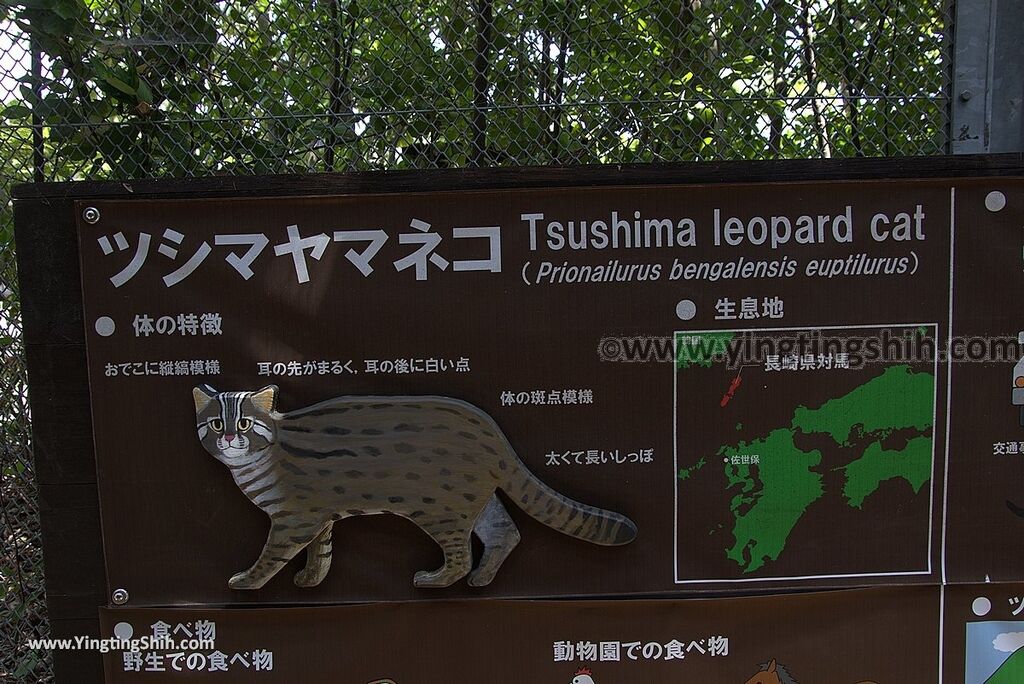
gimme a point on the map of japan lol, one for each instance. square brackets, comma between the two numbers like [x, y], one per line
[776, 471]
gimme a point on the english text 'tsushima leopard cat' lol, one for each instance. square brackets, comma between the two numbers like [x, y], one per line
[434, 460]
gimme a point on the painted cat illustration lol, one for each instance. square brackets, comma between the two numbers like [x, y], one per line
[434, 460]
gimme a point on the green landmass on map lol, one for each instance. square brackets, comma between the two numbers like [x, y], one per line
[913, 463]
[897, 399]
[685, 473]
[701, 349]
[1011, 671]
[788, 486]
[772, 494]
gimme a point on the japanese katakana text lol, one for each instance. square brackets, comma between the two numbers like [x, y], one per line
[183, 254]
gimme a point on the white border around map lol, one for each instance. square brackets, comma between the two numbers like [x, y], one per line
[675, 461]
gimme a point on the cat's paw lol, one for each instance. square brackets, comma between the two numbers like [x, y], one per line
[434, 580]
[481, 578]
[243, 580]
[308, 578]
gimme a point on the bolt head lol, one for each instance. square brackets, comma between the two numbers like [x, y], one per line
[91, 215]
[966, 95]
[119, 597]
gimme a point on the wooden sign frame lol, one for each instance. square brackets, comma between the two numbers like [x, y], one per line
[54, 327]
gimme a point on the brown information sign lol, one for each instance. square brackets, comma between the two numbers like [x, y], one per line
[878, 636]
[984, 633]
[752, 380]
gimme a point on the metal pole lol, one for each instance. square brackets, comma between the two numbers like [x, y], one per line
[988, 86]
[481, 67]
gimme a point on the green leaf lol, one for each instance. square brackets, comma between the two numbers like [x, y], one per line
[115, 82]
[27, 94]
[144, 93]
[27, 665]
[113, 78]
[68, 9]
[16, 111]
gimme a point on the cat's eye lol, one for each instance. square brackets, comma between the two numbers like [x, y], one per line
[244, 424]
[216, 424]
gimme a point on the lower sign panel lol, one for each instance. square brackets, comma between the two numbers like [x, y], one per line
[843, 637]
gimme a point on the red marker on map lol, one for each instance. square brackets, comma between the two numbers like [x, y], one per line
[733, 386]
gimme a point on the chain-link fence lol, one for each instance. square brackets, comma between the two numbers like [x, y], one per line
[152, 88]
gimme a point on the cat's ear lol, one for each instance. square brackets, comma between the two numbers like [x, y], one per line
[265, 399]
[203, 395]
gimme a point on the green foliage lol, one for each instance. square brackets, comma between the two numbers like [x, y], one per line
[144, 88]
[181, 87]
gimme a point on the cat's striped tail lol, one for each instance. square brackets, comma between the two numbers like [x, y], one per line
[561, 513]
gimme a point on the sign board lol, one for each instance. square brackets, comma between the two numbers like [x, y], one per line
[882, 635]
[798, 384]
[973, 633]
[983, 633]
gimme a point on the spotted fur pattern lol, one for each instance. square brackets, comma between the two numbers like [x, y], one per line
[434, 460]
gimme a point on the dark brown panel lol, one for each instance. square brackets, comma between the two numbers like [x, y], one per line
[983, 633]
[848, 637]
[70, 524]
[65, 464]
[981, 482]
[821, 509]
[80, 666]
[987, 438]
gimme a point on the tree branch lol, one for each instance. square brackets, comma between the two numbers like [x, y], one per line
[848, 80]
[563, 48]
[481, 66]
[811, 70]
